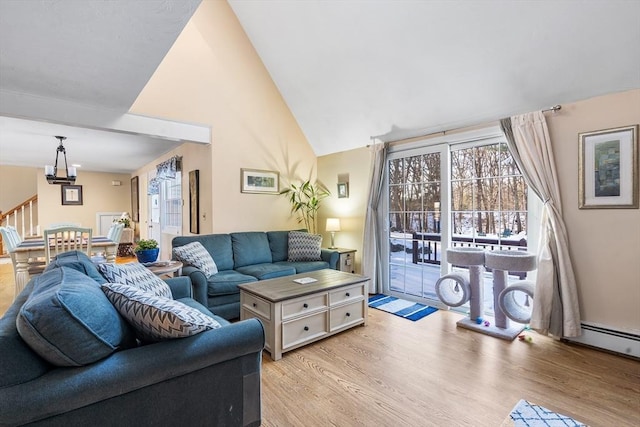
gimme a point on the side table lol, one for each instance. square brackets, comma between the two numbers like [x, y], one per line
[160, 268]
[347, 261]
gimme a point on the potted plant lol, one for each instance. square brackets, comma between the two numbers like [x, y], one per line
[124, 219]
[147, 251]
[305, 201]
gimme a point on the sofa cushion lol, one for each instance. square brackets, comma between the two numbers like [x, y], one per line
[250, 248]
[304, 246]
[305, 266]
[279, 245]
[20, 363]
[157, 318]
[196, 255]
[68, 321]
[218, 245]
[267, 271]
[135, 274]
[78, 261]
[226, 282]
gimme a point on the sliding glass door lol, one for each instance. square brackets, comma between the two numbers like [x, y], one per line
[415, 217]
[452, 193]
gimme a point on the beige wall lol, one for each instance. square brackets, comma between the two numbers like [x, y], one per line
[213, 76]
[604, 244]
[194, 157]
[17, 184]
[354, 164]
[98, 195]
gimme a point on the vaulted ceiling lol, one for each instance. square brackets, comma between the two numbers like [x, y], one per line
[348, 70]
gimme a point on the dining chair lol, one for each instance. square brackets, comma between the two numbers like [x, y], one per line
[114, 234]
[64, 239]
[11, 239]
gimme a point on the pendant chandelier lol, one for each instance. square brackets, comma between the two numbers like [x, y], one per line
[51, 172]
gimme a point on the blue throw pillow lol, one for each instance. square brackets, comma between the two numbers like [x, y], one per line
[68, 320]
[78, 261]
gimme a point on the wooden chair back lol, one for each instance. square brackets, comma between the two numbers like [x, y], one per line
[64, 239]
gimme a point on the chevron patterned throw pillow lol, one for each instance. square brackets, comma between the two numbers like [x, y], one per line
[196, 255]
[157, 318]
[304, 246]
[136, 275]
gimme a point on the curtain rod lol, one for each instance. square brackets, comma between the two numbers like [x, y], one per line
[554, 108]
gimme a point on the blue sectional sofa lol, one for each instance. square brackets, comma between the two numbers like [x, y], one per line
[211, 378]
[244, 257]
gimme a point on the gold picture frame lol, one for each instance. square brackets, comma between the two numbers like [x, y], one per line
[608, 168]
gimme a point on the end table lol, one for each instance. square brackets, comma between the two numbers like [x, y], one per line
[347, 261]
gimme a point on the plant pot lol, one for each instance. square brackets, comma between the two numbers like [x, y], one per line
[147, 255]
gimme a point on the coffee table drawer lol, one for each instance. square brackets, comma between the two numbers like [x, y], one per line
[257, 305]
[303, 305]
[303, 330]
[346, 294]
[346, 315]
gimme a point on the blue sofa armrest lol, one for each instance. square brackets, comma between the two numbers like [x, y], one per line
[220, 368]
[180, 287]
[198, 282]
[332, 257]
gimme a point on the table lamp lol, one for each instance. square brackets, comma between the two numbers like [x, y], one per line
[333, 225]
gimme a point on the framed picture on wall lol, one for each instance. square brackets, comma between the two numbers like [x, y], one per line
[259, 181]
[71, 194]
[194, 201]
[343, 190]
[608, 168]
[135, 200]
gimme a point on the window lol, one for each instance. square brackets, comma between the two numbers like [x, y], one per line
[488, 198]
[171, 199]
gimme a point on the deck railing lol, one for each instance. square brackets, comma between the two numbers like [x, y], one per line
[426, 248]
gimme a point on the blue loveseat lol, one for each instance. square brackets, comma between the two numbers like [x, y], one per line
[244, 257]
[211, 378]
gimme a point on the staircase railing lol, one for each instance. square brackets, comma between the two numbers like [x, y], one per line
[23, 217]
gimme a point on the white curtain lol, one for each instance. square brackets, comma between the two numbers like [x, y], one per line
[371, 262]
[555, 307]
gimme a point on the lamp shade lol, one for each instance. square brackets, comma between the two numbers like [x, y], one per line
[333, 224]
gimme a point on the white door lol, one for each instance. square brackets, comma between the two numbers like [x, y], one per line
[153, 224]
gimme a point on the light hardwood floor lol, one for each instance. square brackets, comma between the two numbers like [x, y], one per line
[395, 372]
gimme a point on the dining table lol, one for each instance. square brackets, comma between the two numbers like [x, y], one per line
[30, 250]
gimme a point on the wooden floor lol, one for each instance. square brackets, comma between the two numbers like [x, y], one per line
[395, 372]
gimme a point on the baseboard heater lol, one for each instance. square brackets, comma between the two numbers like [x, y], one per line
[599, 336]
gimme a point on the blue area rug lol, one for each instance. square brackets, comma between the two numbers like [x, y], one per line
[400, 307]
[527, 414]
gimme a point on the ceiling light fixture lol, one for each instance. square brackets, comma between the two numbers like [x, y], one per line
[51, 172]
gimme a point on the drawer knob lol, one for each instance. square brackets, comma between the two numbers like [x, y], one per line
[348, 314]
[306, 328]
[348, 294]
[305, 305]
[255, 305]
